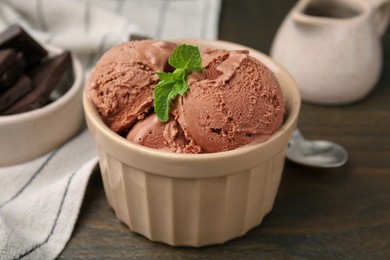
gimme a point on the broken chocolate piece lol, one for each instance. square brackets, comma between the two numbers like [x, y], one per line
[10, 68]
[16, 38]
[7, 58]
[22, 86]
[8, 78]
[56, 72]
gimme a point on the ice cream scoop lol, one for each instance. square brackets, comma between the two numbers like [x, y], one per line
[121, 84]
[237, 101]
[168, 136]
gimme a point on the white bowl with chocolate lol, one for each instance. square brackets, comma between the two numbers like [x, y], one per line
[41, 104]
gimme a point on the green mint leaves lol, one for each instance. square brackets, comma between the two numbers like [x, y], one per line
[185, 59]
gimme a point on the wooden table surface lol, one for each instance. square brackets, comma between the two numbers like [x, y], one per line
[339, 213]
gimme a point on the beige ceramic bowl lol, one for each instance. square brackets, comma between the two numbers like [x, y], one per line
[194, 199]
[28, 135]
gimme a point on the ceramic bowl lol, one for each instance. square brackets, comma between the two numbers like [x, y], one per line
[28, 135]
[194, 199]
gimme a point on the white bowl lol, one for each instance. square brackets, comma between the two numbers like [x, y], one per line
[28, 135]
[194, 199]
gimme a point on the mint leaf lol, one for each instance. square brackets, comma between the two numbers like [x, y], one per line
[162, 99]
[165, 76]
[185, 59]
[164, 93]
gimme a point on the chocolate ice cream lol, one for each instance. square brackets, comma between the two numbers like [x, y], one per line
[168, 136]
[235, 101]
[121, 84]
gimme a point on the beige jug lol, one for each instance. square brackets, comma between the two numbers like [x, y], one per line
[333, 48]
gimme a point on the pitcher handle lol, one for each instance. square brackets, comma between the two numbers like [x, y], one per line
[381, 13]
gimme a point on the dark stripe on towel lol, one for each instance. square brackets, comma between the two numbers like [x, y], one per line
[27, 253]
[37, 172]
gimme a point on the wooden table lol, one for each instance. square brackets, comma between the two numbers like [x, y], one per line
[339, 213]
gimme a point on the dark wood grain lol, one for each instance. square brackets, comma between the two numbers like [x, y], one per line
[339, 213]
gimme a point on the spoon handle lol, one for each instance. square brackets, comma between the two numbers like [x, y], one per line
[297, 135]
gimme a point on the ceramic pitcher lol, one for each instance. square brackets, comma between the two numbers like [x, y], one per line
[333, 48]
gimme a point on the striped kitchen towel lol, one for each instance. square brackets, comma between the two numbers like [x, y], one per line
[40, 200]
[90, 27]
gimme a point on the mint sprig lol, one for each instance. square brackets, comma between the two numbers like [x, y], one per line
[185, 59]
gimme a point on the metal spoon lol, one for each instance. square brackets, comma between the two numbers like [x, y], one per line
[315, 153]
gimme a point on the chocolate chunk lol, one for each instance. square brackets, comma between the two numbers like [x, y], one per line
[16, 38]
[22, 86]
[7, 57]
[10, 76]
[54, 73]
[9, 70]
